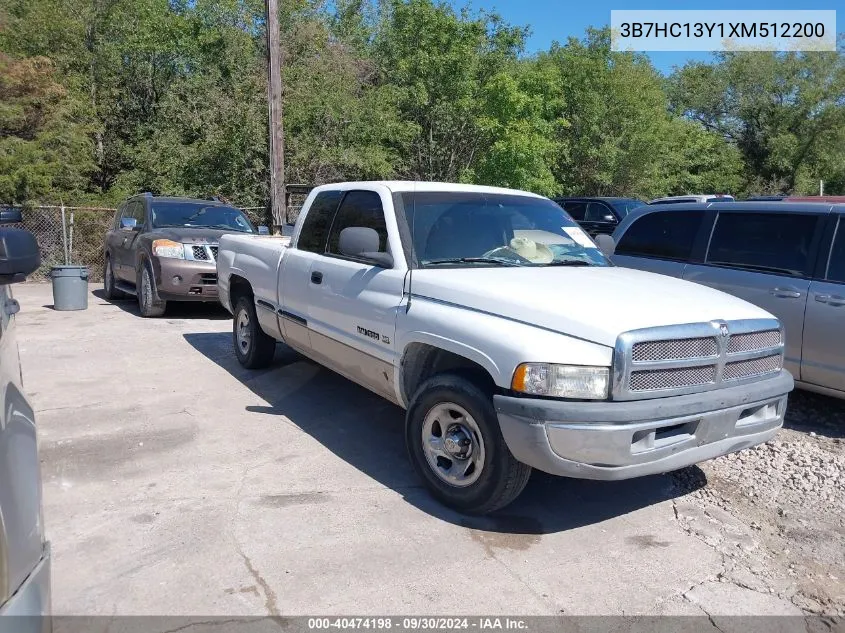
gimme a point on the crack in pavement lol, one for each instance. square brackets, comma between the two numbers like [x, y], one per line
[185, 627]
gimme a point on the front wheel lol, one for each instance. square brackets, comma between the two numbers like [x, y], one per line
[455, 444]
[146, 296]
[253, 347]
[111, 292]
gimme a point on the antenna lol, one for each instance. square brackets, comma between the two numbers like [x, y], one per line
[413, 247]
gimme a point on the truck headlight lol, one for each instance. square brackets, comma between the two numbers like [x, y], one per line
[168, 248]
[562, 381]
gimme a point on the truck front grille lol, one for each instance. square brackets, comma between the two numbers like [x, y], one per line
[696, 357]
[674, 349]
[754, 367]
[658, 379]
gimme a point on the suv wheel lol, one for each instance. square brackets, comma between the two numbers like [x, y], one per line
[109, 289]
[146, 296]
[455, 444]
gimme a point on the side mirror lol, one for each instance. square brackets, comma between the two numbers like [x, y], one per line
[19, 255]
[606, 244]
[363, 243]
[609, 218]
[128, 224]
[10, 215]
[263, 230]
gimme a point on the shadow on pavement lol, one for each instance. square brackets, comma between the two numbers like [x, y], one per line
[367, 432]
[175, 309]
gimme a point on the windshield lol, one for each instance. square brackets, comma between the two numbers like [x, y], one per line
[624, 206]
[484, 229]
[197, 214]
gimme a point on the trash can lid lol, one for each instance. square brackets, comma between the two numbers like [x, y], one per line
[68, 271]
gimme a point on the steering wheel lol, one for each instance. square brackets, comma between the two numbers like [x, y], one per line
[507, 252]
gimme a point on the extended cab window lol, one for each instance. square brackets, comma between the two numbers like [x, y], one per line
[315, 227]
[359, 208]
[769, 242]
[662, 234]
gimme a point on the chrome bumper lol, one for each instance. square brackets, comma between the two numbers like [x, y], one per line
[621, 440]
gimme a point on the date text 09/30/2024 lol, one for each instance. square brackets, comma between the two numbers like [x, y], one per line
[418, 623]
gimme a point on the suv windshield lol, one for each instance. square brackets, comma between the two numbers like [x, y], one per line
[197, 214]
[484, 229]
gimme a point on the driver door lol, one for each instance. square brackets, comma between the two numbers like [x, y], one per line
[352, 317]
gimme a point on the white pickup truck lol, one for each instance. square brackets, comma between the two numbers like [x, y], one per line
[507, 336]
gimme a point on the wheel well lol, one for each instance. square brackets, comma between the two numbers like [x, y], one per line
[421, 361]
[238, 287]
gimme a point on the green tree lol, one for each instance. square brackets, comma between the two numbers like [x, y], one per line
[784, 111]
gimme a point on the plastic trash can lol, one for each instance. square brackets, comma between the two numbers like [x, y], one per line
[70, 287]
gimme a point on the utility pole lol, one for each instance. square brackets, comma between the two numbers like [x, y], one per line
[274, 99]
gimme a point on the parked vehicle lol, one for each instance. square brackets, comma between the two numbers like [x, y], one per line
[598, 215]
[510, 339]
[788, 258]
[24, 551]
[164, 249]
[695, 198]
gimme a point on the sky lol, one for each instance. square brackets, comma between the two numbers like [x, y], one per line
[552, 20]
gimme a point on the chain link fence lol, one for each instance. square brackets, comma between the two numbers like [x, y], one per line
[80, 238]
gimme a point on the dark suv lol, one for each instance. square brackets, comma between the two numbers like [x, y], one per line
[165, 249]
[598, 215]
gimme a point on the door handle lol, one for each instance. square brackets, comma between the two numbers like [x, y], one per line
[785, 293]
[833, 300]
[316, 277]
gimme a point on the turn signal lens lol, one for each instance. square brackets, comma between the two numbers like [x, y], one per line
[562, 381]
[168, 248]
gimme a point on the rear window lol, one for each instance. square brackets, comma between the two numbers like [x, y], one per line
[836, 263]
[662, 234]
[778, 243]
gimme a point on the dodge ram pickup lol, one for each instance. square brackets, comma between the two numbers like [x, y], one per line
[507, 336]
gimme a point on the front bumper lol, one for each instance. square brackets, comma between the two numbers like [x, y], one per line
[186, 280]
[28, 610]
[625, 439]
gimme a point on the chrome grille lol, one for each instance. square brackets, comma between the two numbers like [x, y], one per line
[213, 252]
[753, 341]
[657, 379]
[674, 349]
[754, 367]
[694, 357]
[200, 253]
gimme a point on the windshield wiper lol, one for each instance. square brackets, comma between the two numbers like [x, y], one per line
[471, 260]
[568, 262]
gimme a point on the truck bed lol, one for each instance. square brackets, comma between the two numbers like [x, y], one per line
[253, 257]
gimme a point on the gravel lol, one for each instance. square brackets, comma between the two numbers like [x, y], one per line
[787, 497]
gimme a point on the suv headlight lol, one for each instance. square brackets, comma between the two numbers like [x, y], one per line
[168, 248]
[562, 381]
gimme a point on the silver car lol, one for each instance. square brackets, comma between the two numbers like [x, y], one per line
[788, 258]
[24, 552]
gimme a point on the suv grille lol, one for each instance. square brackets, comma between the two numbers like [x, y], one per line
[695, 357]
[203, 253]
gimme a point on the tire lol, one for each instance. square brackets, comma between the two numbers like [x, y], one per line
[150, 308]
[112, 293]
[490, 477]
[253, 348]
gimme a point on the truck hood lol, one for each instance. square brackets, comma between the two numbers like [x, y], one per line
[593, 303]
